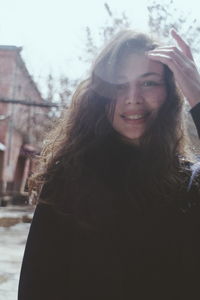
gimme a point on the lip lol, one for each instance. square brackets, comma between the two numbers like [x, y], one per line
[139, 121]
[134, 112]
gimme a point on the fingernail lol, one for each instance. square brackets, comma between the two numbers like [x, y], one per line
[174, 30]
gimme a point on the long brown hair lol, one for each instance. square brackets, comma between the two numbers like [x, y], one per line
[85, 126]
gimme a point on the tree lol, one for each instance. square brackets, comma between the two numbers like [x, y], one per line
[61, 90]
[113, 25]
[162, 17]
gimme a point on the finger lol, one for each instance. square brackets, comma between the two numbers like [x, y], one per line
[172, 49]
[170, 62]
[182, 44]
[175, 54]
[165, 59]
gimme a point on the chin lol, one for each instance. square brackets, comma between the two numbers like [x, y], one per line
[131, 139]
[133, 136]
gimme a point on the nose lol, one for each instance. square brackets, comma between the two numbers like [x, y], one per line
[134, 95]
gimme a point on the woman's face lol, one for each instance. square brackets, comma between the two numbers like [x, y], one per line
[141, 91]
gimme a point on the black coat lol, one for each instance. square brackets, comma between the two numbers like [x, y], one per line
[152, 255]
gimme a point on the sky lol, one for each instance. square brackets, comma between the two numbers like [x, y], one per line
[52, 32]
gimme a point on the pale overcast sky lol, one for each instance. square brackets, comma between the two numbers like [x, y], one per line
[51, 32]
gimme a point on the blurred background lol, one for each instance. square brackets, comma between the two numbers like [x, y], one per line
[46, 49]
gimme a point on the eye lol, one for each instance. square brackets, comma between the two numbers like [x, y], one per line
[150, 83]
[122, 86]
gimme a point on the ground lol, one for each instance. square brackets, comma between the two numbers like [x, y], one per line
[14, 227]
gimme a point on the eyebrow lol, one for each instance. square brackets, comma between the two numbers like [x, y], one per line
[121, 77]
[151, 73]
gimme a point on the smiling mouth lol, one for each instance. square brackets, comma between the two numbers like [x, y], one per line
[134, 117]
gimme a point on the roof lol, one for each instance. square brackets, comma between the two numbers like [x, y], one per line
[22, 64]
[11, 48]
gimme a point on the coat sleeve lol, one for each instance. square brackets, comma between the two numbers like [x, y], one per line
[195, 113]
[44, 260]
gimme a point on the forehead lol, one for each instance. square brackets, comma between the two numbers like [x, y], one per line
[136, 65]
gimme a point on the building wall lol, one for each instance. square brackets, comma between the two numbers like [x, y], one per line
[7, 66]
[17, 128]
[3, 123]
[11, 156]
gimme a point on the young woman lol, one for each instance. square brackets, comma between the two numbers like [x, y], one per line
[118, 213]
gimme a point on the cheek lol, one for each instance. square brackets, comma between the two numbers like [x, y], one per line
[113, 114]
[119, 105]
[119, 101]
[118, 109]
[155, 99]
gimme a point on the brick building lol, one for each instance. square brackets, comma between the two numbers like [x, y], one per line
[20, 124]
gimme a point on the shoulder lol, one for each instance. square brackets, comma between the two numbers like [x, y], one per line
[50, 220]
[44, 220]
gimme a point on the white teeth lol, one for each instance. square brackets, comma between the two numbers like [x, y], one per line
[134, 117]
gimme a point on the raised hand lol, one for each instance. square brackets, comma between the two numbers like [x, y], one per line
[181, 63]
